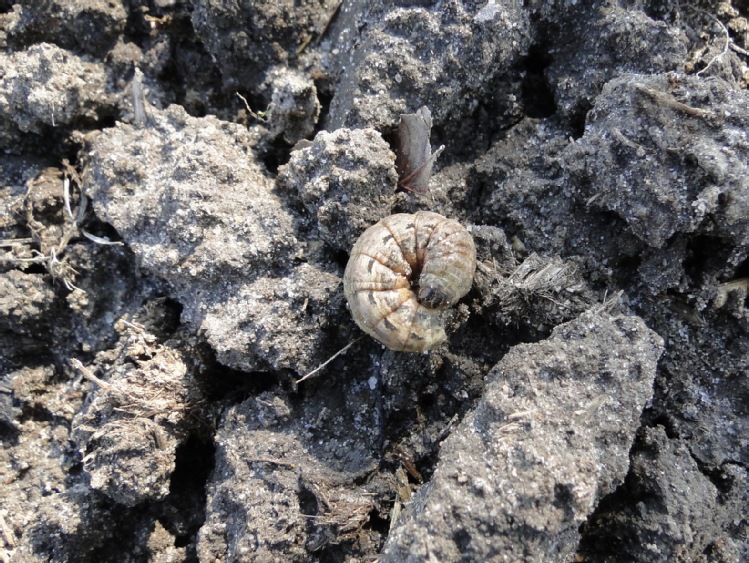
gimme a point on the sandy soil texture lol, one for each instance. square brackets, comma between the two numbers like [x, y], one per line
[181, 186]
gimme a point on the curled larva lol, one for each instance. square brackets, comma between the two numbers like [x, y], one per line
[403, 273]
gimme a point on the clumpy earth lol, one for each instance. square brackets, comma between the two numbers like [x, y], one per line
[181, 183]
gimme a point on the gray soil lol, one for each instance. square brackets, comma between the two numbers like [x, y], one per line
[181, 182]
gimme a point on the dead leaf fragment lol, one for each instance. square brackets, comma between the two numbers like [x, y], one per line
[414, 158]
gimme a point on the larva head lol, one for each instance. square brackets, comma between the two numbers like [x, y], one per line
[443, 287]
[448, 266]
[435, 295]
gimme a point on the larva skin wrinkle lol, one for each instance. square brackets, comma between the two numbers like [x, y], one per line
[404, 272]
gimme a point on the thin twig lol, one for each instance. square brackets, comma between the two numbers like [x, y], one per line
[326, 362]
[271, 461]
[673, 103]
[739, 49]
[725, 32]
[101, 240]
[15, 242]
[88, 374]
[66, 197]
[260, 116]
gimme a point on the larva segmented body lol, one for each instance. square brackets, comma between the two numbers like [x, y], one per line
[403, 273]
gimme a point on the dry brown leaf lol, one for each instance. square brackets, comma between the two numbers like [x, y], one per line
[414, 158]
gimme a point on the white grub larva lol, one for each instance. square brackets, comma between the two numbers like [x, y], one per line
[404, 272]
